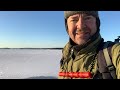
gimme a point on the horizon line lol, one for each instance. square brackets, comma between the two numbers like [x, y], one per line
[32, 48]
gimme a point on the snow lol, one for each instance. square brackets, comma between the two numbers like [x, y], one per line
[29, 63]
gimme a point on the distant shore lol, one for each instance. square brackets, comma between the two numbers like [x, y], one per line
[33, 48]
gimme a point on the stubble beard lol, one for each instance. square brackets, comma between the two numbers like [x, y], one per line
[81, 36]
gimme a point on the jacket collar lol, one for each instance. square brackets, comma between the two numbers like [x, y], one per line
[89, 46]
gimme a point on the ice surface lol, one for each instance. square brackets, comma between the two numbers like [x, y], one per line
[29, 63]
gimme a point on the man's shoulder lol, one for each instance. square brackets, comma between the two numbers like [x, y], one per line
[111, 43]
[65, 50]
[111, 46]
[116, 46]
[66, 47]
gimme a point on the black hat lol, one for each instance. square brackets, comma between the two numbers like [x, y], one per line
[69, 13]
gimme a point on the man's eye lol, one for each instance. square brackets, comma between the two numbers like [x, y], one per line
[88, 18]
[74, 20]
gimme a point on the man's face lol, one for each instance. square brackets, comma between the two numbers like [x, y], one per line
[81, 27]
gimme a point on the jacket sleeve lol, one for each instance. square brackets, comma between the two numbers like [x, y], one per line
[116, 58]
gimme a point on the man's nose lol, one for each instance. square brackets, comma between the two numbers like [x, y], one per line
[81, 23]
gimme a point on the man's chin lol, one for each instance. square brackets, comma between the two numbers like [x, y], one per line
[81, 42]
[83, 36]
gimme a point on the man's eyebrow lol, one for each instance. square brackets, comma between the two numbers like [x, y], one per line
[75, 16]
[87, 15]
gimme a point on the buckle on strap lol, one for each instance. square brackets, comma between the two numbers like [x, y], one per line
[111, 68]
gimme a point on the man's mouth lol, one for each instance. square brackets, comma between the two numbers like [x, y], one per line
[83, 34]
[83, 31]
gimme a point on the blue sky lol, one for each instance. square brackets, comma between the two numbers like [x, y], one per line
[46, 29]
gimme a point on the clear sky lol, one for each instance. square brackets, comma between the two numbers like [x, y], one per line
[46, 29]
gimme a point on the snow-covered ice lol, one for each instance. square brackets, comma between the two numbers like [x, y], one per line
[29, 63]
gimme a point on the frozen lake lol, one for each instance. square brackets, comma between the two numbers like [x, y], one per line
[29, 63]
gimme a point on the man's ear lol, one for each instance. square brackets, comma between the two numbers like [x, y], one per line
[98, 24]
[66, 26]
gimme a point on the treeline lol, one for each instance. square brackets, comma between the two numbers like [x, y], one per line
[31, 48]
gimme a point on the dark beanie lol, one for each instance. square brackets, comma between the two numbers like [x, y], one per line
[69, 13]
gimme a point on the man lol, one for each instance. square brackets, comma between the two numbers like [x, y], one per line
[80, 54]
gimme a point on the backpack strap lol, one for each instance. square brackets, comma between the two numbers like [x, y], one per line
[106, 67]
[109, 63]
